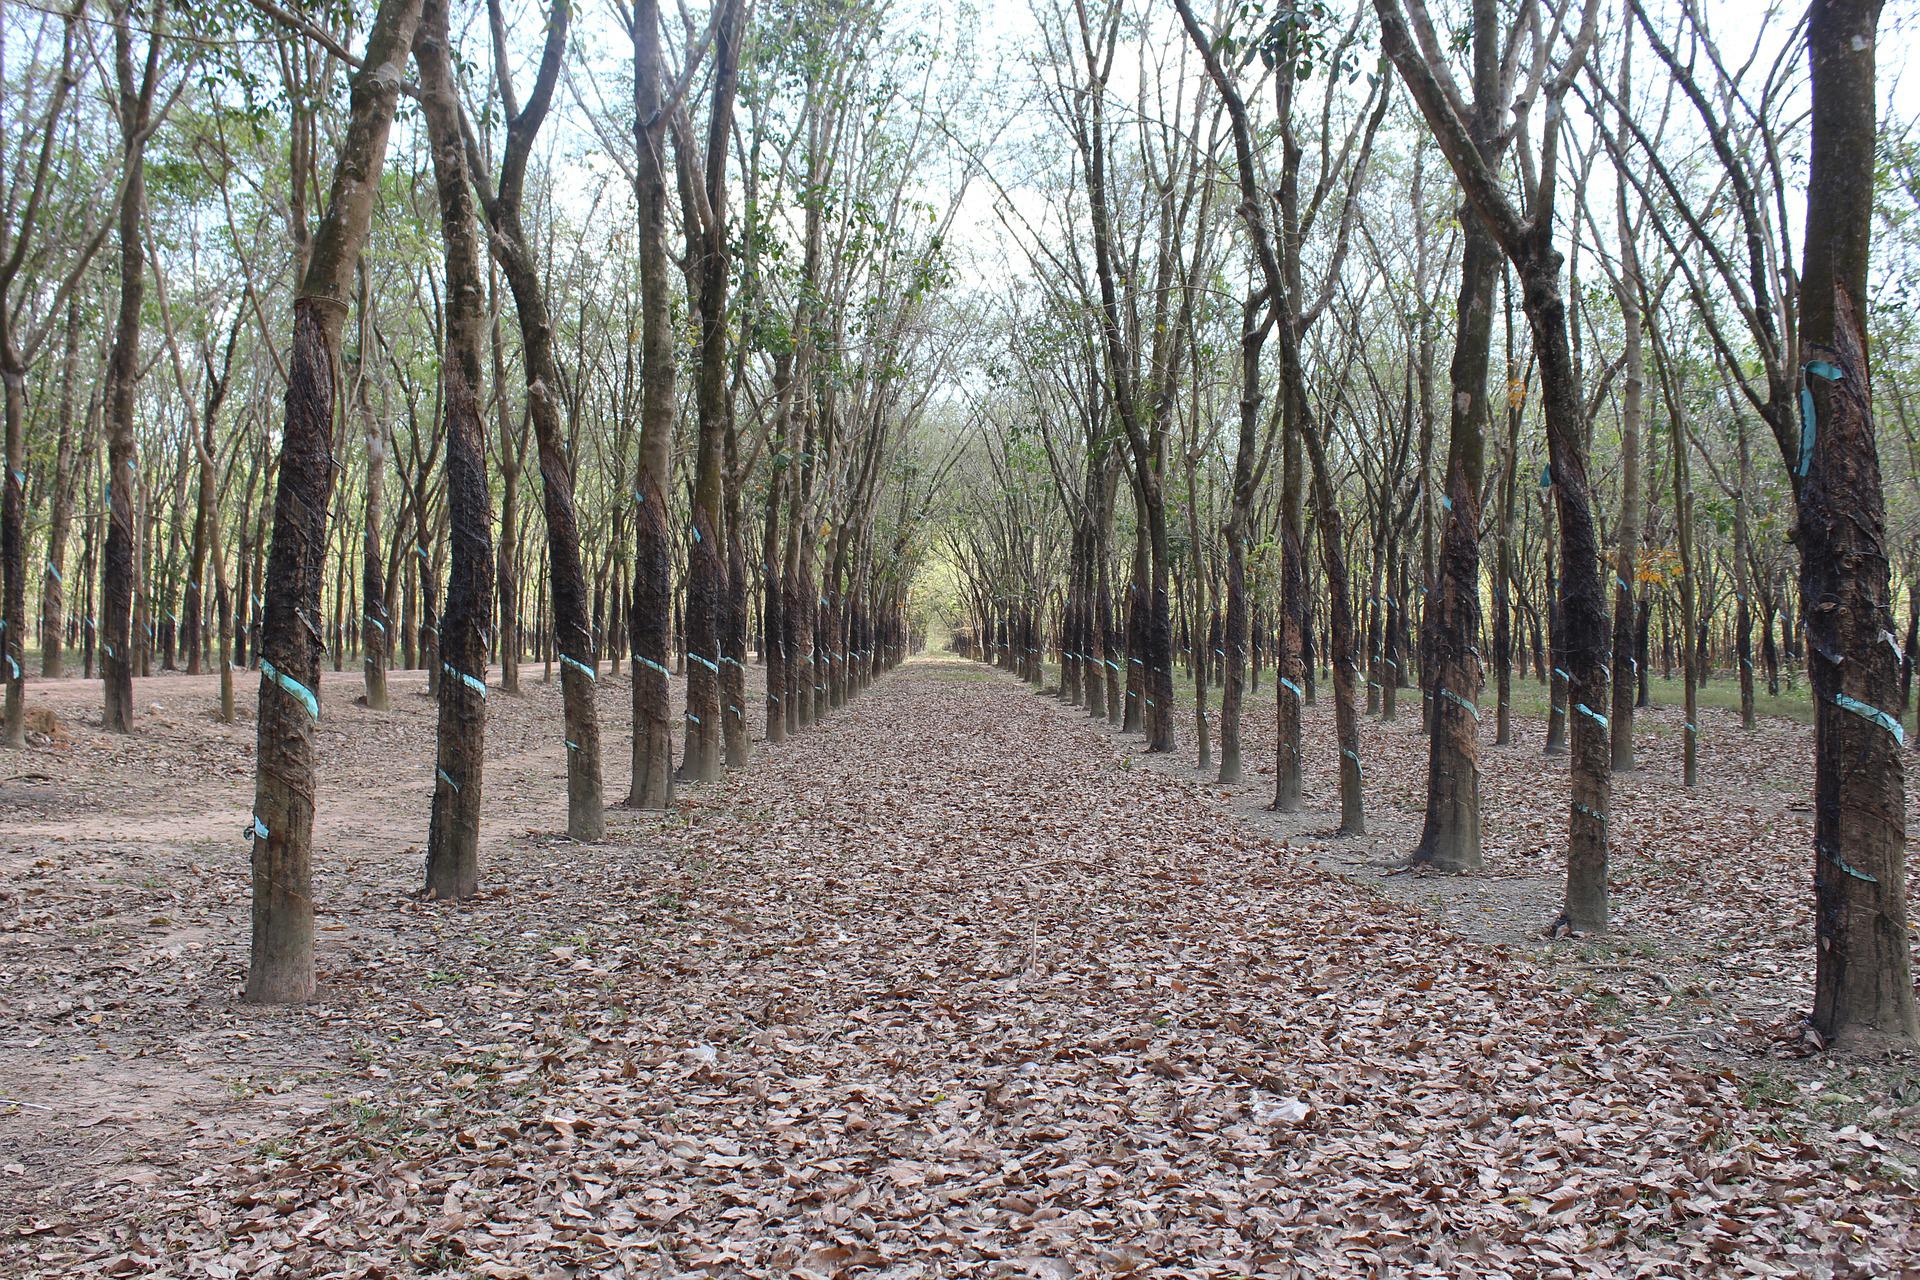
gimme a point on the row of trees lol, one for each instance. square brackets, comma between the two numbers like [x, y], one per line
[1220, 426]
[349, 291]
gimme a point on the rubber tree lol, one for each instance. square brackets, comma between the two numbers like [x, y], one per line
[1628, 289]
[708, 584]
[773, 617]
[1526, 238]
[453, 834]
[512, 251]
[650, 610]
[73, 463]
[1452, 675]
[280, 967]
[376, 637]
[33, 122]
[134, 102]
[1142, 402]
[1291, 313]
[1863, 983]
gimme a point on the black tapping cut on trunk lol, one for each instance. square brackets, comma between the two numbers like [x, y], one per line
[280, 968]
[1527, 241]
[1450, 834]
[1289, 691]
[1863, 979]
[706, 579]
[453, 832]
[649, 620]
[376, 637]
[733, 641]
[1345, 661]
[650, 613]
[574, 633]
[773, 615]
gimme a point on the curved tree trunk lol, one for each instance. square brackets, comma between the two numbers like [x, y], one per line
[1450, 834]
[281, 965]
[453, 833]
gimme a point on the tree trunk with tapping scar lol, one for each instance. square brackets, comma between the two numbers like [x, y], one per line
[1583, 623]
[733, 625]
[1070, 647]
[206, 513]
[376, 639]
[72, 462]
[453, 834]
[773, 614]
[22, 215]
[1452, 673]
[13, 557]
[1344, 658]
[799, 606]
[512, 454]
[1390, 652]
[1503, 623]
[1289, 692]
[1689, 591]
[707, 579]
[1249, 456]
[1450, 835]
[281, 965]
[1627, 556]
[1556, 743]
[650, 612]
[1743, 587]
[1133, 717]
[1527, 241]
[579, 655]
[1863, 983]
[134, 107]
[826, 621]
[1110, 637]
[1233, 645]
[222, 596]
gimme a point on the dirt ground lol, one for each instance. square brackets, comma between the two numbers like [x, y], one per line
[956, 983]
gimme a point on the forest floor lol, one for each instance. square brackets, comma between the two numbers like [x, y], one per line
[955, 983]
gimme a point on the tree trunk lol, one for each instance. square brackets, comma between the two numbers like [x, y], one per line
[1743, 585]
[123, 373]
[505, 580]
[649, 614]
[773, 615]
[1290, 695]
[578, 653]
[707, 579]
[1863, 985]
[70, 463]
[1627, 555]
[377, 640]
[1344, 658]
[453, 834]
[1450, 833]
[13, 555]
[281, 968]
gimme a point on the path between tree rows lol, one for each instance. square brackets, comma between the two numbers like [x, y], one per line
[949, 985]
